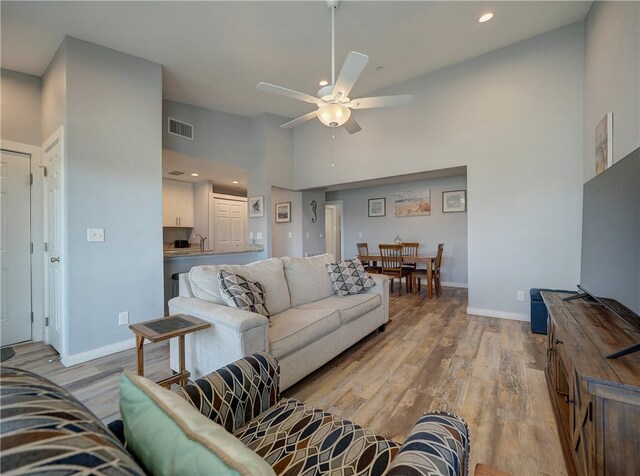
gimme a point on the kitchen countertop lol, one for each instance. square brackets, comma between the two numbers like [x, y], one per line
[195, 252]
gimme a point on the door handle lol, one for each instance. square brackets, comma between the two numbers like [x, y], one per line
[55, 259]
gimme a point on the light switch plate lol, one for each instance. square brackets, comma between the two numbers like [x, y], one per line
[259, 235]
[251, 235]
[123, 318]
[95, 234]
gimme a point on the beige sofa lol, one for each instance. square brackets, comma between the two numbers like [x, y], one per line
[309, 324]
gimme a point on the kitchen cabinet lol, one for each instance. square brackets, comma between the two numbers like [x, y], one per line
[177, 204]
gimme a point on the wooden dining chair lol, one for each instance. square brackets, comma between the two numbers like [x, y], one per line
[418, 274]
[409, 250]
[436, 270]
[363, 250]
[391, 257]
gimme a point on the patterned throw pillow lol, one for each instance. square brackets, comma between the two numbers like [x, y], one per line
[238, 291]
[349, 277]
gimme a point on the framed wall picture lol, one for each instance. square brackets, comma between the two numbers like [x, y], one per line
[454, 201]
[256, 207]
[283, 212]
[604, 143]
[377, 207]
[413, 203]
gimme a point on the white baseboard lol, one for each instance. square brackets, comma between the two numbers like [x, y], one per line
[514, 316]
[448, 284]
[74, 359]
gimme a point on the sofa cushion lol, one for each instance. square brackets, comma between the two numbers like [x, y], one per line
[350, 307]
[349, 277]
[169, 436]
[295, 438]
[45, 430]
[269, 273]
[240, 292]
[307, 278]
[295, 328]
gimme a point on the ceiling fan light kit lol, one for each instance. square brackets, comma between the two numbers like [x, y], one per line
[334, 105]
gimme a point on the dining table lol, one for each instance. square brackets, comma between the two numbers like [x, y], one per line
[428, 260]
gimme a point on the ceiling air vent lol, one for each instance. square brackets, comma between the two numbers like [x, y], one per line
[181, 129]
[176, 172]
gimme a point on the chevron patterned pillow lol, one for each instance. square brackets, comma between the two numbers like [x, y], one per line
[238, 291]
[349, 277]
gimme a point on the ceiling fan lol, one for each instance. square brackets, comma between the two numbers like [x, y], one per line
[334, 104]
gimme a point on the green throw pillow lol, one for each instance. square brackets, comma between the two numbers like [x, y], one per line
[168, 436]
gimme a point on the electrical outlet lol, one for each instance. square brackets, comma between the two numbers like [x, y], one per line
[251, 235]
[95, 234]
[259, 235]
[360, 235]
[123, 318]
[290, 235]
[308, 235]
[520, 295]
[321, 235]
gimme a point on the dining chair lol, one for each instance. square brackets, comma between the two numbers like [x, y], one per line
[363, 250]
[391, 257]
[409, 250]
[418, 274]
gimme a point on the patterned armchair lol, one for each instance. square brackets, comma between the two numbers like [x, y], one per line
[295, 438]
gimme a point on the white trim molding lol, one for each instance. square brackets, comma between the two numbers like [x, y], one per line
[74, 359]
[514, 316]
[448, 284]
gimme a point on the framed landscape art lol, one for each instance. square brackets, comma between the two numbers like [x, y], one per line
[454, 201]
[413, 203]
[377, 207]
[283, 212]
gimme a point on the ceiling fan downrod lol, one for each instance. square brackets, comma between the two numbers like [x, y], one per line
[333, 4]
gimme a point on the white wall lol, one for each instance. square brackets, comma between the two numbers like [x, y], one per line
[20, 111]
[447, 228]
[514, 118]
[113, 106]
[612, 78]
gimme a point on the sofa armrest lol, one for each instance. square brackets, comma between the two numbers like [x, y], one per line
[437, 444]
[382, 288]
[237, 393]
[231, 317]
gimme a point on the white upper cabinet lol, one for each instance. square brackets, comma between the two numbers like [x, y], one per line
[177, 204]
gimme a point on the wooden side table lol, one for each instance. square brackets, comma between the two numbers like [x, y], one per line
[158, 330]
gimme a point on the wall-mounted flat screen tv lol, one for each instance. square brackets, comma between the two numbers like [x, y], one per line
[611, 238]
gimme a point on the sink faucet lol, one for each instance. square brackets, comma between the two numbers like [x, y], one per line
[202, 238]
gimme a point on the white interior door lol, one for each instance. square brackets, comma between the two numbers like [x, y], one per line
[15, 247]
[54, 243]
[229, 220]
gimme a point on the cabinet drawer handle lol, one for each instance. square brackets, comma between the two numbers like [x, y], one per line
[568, 400]
[558, 341]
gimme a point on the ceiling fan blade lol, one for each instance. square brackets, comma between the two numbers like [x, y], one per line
[352, 126]
[300, 120]
[381, 101]
[272, 88]
[351, 70]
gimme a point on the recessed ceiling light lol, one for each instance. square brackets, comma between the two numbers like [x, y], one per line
[235, 181]
[194, 175]
[323, 83]
[486, 17]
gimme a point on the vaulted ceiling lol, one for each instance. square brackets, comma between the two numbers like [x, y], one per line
[214, 53]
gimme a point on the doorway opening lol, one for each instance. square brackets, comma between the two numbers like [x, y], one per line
[333, 237]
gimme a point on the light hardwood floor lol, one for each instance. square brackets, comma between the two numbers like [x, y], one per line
[433, 356]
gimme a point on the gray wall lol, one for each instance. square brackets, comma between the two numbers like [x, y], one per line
[447, 228]
[21, 95]
[113, 108]
[514, 118]
[612, 78]
[218, 136]
[314, 242]
[281, 243]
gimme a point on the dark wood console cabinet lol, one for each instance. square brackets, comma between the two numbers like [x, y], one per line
[596, 400]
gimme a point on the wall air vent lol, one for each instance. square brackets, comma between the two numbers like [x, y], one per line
[176, 172]
[181, 129]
